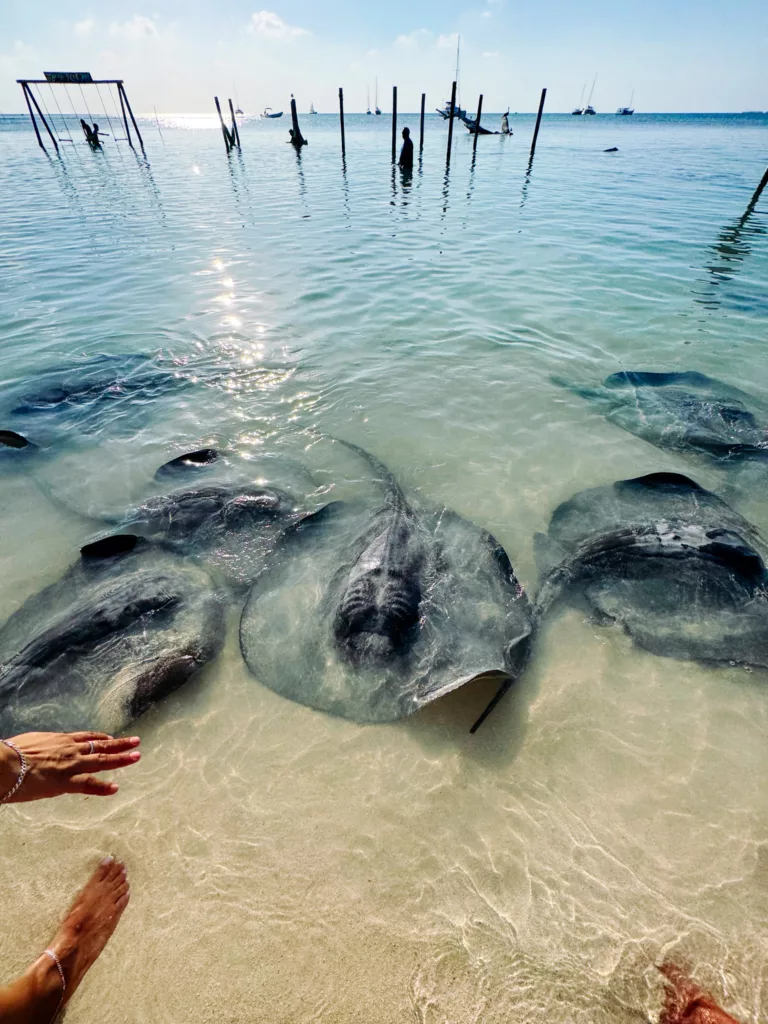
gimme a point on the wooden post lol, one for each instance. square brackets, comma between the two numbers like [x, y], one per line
[125, 120]
[32, 116]
[477, 122]
[421, 125]
[450, 123]
[235, 133]
[124, 94]
[538, 122]
[758, 192]
[394, 123]
[28, 92]
[341, 115]
[298, 138]
[224, 132]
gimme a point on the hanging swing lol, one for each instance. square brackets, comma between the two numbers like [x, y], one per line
[93, 134]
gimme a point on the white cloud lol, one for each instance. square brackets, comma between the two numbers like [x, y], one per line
[267, 23]
[448, 42]
[412, 40]
[491, 53]
[487, 14]
[84, 27]
[139, 27]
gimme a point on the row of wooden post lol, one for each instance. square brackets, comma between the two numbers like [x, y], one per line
[232, 135]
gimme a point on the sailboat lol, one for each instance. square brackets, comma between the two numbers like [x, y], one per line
[625, 111]
[589, 109]
[237, 105]
[376, 105]
[445, 113]
[368, 101]
[312, 108]
[580, 110]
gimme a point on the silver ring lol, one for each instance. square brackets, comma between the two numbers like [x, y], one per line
[92, 748]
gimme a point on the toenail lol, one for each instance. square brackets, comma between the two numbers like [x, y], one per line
[107, 860]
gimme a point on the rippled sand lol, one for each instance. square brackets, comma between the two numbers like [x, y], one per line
[287, 866]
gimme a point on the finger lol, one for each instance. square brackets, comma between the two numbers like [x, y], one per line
[108, 745]
[91, 786]
[105, 762]
[83, 737]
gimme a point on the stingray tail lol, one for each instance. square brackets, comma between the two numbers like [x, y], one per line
[394, 494]
[494, 701]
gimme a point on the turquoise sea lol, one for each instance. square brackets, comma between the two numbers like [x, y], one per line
[289, 866]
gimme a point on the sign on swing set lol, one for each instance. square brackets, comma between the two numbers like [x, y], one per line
[68, 77]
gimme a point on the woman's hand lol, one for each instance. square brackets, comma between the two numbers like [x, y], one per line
[61, 762]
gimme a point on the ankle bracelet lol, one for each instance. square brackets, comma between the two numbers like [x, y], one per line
[22, 773]
[59, 968]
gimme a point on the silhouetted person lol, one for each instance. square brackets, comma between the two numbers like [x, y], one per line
[505, 124]
[95, 134]
[406, 153]
[86, 131]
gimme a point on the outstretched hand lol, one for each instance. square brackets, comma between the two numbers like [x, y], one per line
[60, 762]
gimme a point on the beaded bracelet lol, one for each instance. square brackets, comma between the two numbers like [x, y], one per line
[22, 773]
[60, 969]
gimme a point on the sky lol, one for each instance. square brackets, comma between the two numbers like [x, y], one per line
[174, 55]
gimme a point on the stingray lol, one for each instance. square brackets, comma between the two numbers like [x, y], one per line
[81, 395]
[125, 626]
[668, 561]
[372, 610]
[687, 412]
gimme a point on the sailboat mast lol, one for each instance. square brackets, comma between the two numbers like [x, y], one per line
[458, 85]
[581, 100]
[589, 101]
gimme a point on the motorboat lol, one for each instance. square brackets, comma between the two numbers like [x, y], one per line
[268, 113]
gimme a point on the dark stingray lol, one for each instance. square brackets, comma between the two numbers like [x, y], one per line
[125, 626]
[231, 529]
[670, 562]
[373, 610]
[81, 394]
[684, 412]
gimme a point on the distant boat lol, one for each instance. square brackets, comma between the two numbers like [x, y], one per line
[237, 105]
[376, 105]
[312, 108]
[625, 111]
[268, 113]
[368, 102]
[238, 111]
[445, 113]
[589, 109]
[580, 110]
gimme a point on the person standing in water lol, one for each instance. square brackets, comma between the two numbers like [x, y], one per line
[34, 766]
[505, 124]
[406, 153]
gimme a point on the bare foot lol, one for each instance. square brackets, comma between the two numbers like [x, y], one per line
[92, 918]
[686, 1003]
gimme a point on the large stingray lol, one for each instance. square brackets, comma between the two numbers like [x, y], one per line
[685, 411]
[124, 627]
[670, 562]
[230, 528]
[80, 395]
[373, 610]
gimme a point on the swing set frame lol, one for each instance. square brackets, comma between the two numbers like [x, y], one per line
[79, 78]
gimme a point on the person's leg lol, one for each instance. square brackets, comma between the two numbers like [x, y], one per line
[40, 992]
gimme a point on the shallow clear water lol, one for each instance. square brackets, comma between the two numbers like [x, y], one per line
[289, 866]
